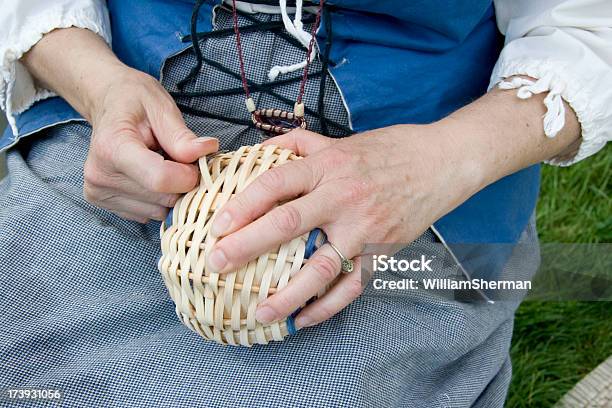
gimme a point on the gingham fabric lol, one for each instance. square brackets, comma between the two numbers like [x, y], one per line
[262, 50]
[85, 310]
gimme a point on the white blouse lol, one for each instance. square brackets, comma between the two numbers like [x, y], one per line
[565, 44]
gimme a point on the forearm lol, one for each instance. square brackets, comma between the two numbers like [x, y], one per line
[502, 134]
[76, 64]
[506, 134]
[490, 138]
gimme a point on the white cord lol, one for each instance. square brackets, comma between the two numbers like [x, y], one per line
[554, 120]
[300, 35]
[296, 30]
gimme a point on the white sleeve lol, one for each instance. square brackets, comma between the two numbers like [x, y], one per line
[566, 45]
[22, 25]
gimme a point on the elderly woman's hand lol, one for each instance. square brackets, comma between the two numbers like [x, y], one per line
[387, 185]
[133, 120]
[383, 186]
[125, 172]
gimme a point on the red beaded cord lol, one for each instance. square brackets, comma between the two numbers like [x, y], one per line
[245, 84]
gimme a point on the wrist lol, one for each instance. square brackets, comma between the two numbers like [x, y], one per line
[466, 161]
[444, 170]
[458, 166]
[76, 64]
[501, 134]
[108, 77]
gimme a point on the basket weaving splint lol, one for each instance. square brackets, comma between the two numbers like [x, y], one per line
[221, 307]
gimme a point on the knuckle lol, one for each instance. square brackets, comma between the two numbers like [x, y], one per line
[91, 174]
[90, 194]
[157, 182]
[286, 219]
[139, 219]
[145, 83]
[272, 180]
[282, 303]
[356, 191]
[239, 206]
[299, 133]
[308, 171]
[178, 134]
[169, 200]
[325, 267]
[158, 214]
[108, 151]
[336, 157]
[324, 313]
[354, 288]
[105, 147]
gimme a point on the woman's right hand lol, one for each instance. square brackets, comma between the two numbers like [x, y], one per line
[124, 171]
[134, 121]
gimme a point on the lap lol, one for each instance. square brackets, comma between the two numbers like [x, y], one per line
[85, 309]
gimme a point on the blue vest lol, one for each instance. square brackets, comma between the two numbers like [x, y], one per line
[396, 62]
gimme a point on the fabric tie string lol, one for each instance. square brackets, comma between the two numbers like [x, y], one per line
[554, 120]
[296, 29]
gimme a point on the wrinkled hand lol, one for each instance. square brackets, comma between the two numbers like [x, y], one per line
[125, 171]
[384, 186]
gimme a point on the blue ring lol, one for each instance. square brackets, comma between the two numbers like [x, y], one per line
[291, 326]
[291, 322]
[310, 249]
[311, 242]
[168, 220]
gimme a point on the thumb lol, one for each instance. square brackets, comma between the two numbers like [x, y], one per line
[181, 144]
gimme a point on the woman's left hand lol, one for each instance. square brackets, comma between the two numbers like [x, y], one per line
[383, 186]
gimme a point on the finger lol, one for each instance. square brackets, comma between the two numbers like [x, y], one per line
[116, 183]
[348, 288]
[152, 172]
[301, 142]
[280, 225]
[320, 270]
[175, 138]
[129, 188]
[140, 209]
[131, 217]
[275, 185]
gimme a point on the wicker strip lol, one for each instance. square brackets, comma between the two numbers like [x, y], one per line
[222, 307]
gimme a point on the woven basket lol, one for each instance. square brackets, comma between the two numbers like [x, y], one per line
[221, 307]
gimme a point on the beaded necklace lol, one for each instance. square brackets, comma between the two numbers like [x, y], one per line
[275, 122]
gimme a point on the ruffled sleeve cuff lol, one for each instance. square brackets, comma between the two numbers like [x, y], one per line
[561, 84]
[18, 90]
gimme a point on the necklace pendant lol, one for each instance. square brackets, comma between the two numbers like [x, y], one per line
[274, 122]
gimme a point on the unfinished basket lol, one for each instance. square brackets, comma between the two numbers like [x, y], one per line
[222, 307]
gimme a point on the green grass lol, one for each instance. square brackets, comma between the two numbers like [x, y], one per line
[555, 344]
[576, 203]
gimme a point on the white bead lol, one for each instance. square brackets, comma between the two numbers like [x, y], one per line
[250, 104]
[298, 110]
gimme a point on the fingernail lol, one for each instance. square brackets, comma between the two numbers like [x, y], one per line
[303, 321]
[217, 260]
[221, 224]
[265, 314]
[202, 140]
